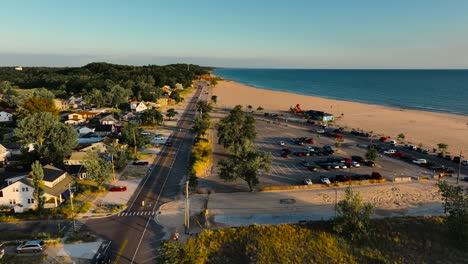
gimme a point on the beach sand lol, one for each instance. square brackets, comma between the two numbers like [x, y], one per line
[419, 127]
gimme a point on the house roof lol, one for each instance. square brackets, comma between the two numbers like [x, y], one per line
[109, 118]
[51, 173]
[11, 145]
[77, 155]
[58, 189]
[86, 113]
[74, 169]
[3, 149]
[104, 128]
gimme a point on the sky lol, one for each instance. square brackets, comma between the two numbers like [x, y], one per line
[242, 33]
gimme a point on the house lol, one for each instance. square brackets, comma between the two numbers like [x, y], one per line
[4, 153]
[80, 117]
[76, 158]
[138, 107]
[167, 89]
[129, 116]
[99, 146]
[108, 120]
[13, 148]
[77, 171]
[17, 192]
[319, 115]
[5, 116]
[85, 130]
[75, 101]
[18, 68]
[104, 130]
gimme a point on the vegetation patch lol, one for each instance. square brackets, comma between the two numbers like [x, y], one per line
[108, 208]
[79, 237]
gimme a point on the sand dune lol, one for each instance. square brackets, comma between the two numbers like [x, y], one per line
[419, 127]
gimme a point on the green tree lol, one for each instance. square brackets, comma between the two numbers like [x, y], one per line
[96, 97]
[214, 99]
[204, 107]
[353, 219]
[171, 252]
[200, 126]
[120, 156]
[455, 201]
[38, 184]
[245, 164]
[171, 113]
[42, 93]
[213, 82]
[34, 104]
[98, 169]
[401, 137]
[151, 117]
[442, 147]
[235, 129]
[132, 135]
[259, 108]
[371, 153]
[250, 108]
[176, 97]
[119, 95]
[52, 140]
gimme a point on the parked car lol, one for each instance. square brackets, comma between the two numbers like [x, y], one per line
[284, 154]
[440, 155]
[420, 161]
[168, 143]
[325, 180]
[383, 139]
[355, 164]
[140, 162]
[285, 150]
[456, 159]
[313, 168]
[376, 176]
[307, 181]
[390, 151]
[369, 163]
[397, 154]
[393, 142]
[305, 163]
[464, 162]
[32, 246]
[358, 159]
[118, 189]
[448, 157]
[343, 178]
[281, 143]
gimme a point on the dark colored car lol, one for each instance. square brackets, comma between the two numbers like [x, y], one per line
[287, 151]
[140, 162]
[376, 176]
[448, 157]
[440, 155]
[284, 154]
[357, 158]
[456, 159]
[343, 178]
[168, 143]
[313, 168]
[369, 163]
[118, 189]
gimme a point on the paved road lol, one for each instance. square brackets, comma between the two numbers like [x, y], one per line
[134, 234]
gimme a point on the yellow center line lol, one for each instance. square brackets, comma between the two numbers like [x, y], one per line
[120, 251]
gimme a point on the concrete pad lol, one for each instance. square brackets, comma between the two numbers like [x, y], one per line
[121, 197]
[79, 250]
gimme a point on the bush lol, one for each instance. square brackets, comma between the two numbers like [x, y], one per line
[79, 236]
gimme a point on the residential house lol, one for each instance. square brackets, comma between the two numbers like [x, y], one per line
[162, 101]
[138, 106]
[13, 148]
[77, 157]
[5, 116]
[129, 116]
[109, 120]
[85, 130]
[80, 117]
[104, 130]
[17, 192]
[4, 153]
[77, 171]
[18, 68]
[61, 104]
[75, 101]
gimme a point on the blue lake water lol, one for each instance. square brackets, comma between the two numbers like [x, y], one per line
[428, 90]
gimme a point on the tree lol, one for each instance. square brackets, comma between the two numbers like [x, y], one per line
[245, 164]
[201, 126]
[119, 95]
[442, 147]
[171, 252]
[171, 113]
[98, 169]
[43, 93]
[34, 104]
[214, 98]
[235, 129]
[37, 179]
[259, 108]
[151, 117]
[213, 82]
[132, 135]
[371, 153]
[204, 107]
[250, 108]
[120, 156]
[51, 139]
[455, 200]
[401, 137]
[176, 97]
[354, 216]
[96, 97]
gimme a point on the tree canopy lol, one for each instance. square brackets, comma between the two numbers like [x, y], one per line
[98, 168]
[38, 184]
[132, 135]
[51, 139]
[235, 129]
[151, 117]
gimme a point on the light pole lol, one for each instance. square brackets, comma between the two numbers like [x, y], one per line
[187, 210]
[72, 209]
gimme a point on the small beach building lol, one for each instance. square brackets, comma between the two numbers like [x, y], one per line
[319, 115]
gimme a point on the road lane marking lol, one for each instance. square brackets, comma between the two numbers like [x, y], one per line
[122, 247]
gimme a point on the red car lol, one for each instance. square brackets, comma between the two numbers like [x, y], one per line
[118, 189]
[397, 154]
[339, 137]
[383, 139]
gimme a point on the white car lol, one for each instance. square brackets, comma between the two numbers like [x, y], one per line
[464, 162]
[390, 151]
[307, 181]
[325, 180]
[281, 143]
[355, 164]
[420, 161]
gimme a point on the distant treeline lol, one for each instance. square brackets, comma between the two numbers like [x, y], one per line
[142, 81]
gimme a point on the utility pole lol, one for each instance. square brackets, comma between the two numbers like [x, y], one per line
[72, 209]
[459, 166]
[187, 210]
[135, 145]
[113, 168]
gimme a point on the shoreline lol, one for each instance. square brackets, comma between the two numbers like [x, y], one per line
[423, 109]
[420, 127]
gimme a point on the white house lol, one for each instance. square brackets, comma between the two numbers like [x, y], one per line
[108, 120]
[75, 101]
[138, 107]
[5, 116]
[18, 192]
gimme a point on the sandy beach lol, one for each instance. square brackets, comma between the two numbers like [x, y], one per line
[419, 127]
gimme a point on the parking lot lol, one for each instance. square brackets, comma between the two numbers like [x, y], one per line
[290, 171]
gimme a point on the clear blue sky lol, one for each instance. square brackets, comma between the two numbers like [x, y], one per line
[240, 33]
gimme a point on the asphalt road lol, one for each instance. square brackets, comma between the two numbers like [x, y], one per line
[135, 236]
